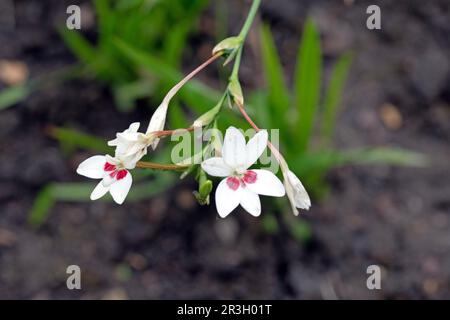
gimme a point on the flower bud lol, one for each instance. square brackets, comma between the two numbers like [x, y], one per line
[208, 116]
[234, 88]
[227, 45]
[204, 188]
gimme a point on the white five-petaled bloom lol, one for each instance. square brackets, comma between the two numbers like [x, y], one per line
[242, 185]
[114, 174]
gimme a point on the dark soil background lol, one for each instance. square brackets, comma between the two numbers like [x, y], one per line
[169, 247]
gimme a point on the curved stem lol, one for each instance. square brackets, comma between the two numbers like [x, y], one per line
[254, 126]
[164, 133]
[183, 81]
[237, 63]
[159, 166]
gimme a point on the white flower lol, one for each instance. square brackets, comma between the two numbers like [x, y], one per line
[241, 185]
[130, 143]
[114, 174]
[296, 192]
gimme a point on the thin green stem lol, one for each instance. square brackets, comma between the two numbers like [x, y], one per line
[248, 22]
[243, 35]
[237, 63]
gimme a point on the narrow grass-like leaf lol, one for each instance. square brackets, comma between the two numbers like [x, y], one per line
[175, 43]
[125, 95]
[12, 95]
[82, 49]
[327, 160]
[80, 192]
[278, 93]
[41, 206]
[160, 69]
[333, 97]
[177, 118]
[307, 84]
[79, 139]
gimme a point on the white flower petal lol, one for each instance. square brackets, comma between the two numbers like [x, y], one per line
[216, 167]
[130, 133]
[99, 191]
[266, 184]
[255, 147]
[107, 180]
[92, 167]
[158, 120]
[250, 202]
[113, 142]
[300, 196]
[233, 150]
[120, 188]
[134, 127]
[112, 160]
[226, 199]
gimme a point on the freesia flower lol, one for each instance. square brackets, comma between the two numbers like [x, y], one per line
[242, 185]
[130, 143]
[116, 179]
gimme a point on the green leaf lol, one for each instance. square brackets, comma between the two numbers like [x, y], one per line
[80, 192]
[269, 223]
[105, 17]
[79, 139]
[326, 160]
[300, 230]
[307, 84]
[12, 95]
[82, 49]
[125, 95]
[175, 43]
[177, 118]
[384, 155]
[333, 97]
[278, 93]
[262, 117]
[42, 206]
[159, 68]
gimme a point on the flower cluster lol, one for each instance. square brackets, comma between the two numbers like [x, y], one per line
[233, 160]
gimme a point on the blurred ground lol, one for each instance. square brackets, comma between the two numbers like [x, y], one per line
[168, 247]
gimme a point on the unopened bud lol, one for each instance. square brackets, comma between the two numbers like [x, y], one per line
[234, 87]
[208, 116]
[227, 45]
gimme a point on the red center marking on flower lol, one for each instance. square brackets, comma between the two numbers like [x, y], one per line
[233, 183]
[121, 174]
[109, 167]
[250, 176]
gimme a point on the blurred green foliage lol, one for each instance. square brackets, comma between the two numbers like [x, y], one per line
[139, 52]
[159, 28]
[307, 121]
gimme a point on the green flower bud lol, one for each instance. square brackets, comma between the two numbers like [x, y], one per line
[208, 116]
[227, 45]
[234, 88]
